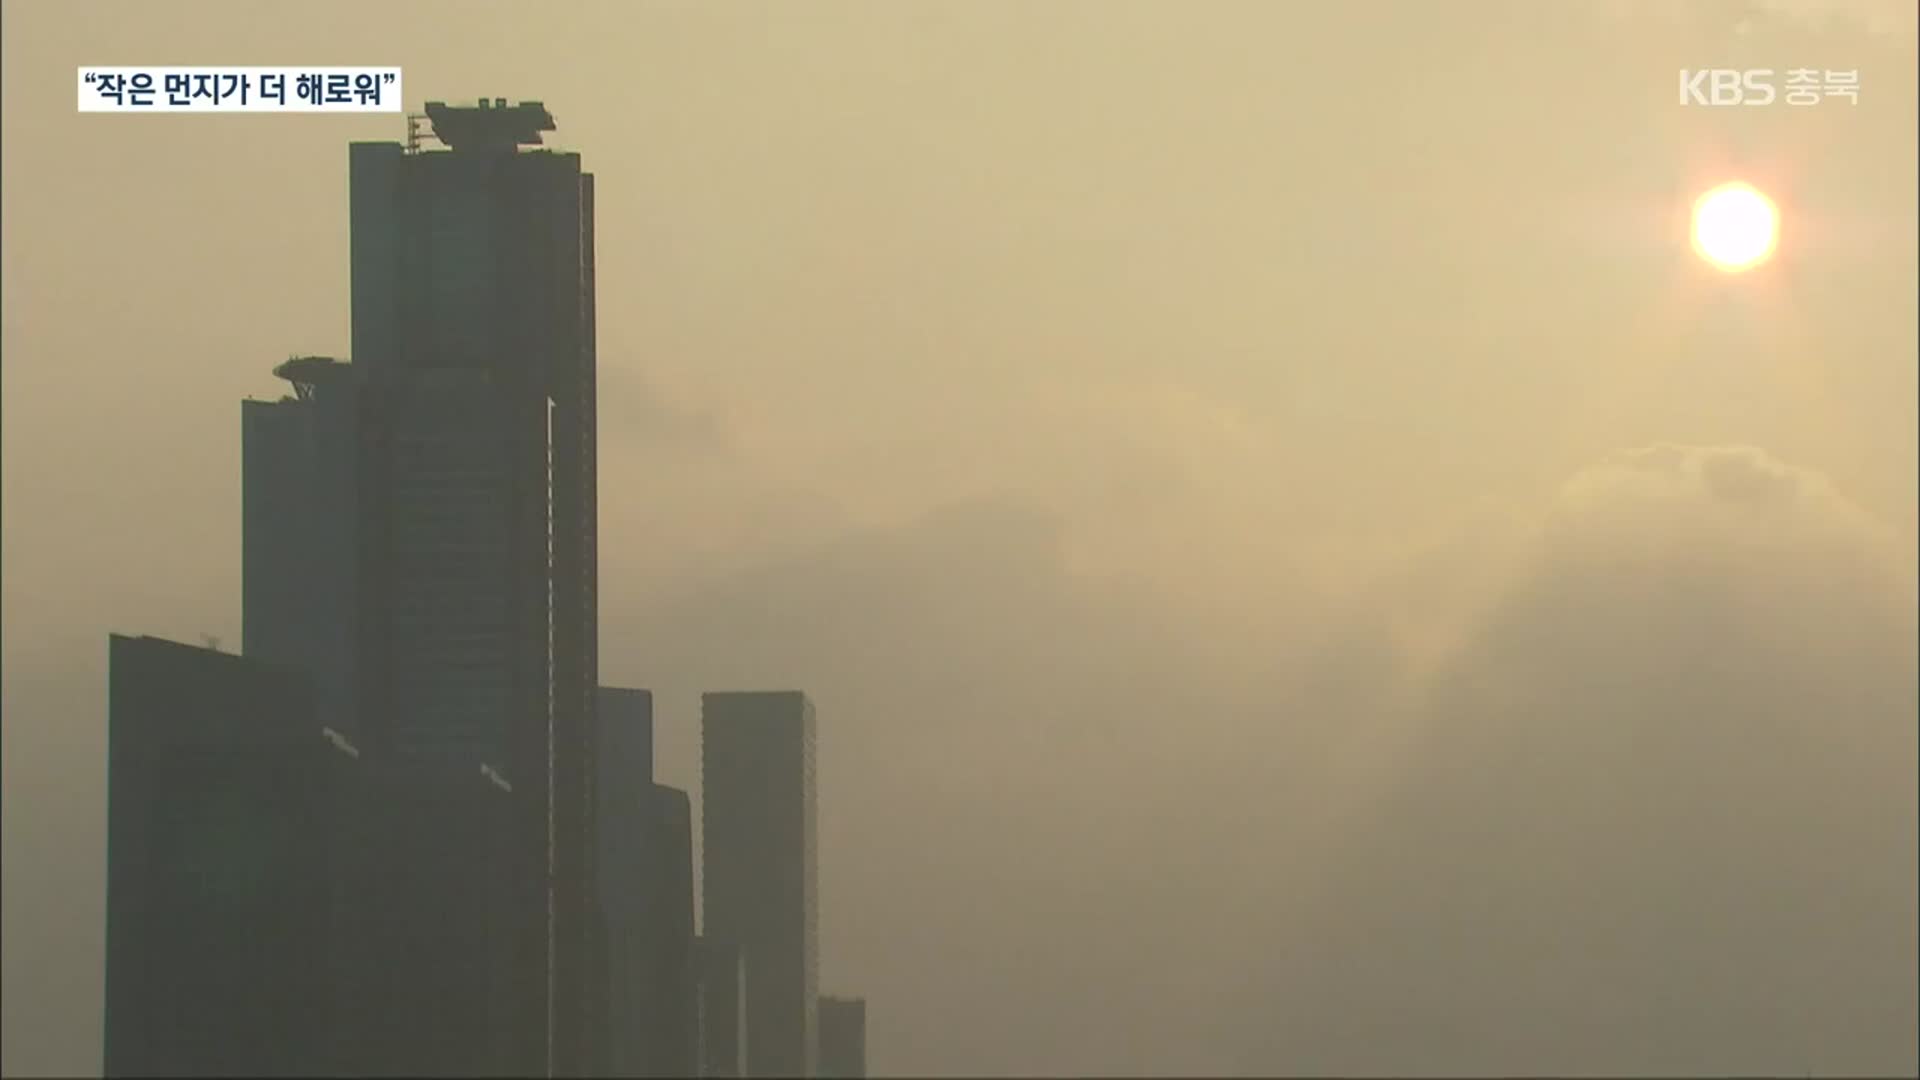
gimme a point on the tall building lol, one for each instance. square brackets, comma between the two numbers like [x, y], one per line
[646, 897]
[843, 1037]
[299, 541]
[759, 881]
[624, 790]
[723, 1016]
[281, 902]
[226, 881]
[670, 1005]
[625, 738]
[473, 340]
[434, 906]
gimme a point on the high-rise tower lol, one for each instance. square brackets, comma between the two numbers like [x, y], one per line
[759, 883]
[299, 558]
[227, 894]
[473, 343]
[843, 1038]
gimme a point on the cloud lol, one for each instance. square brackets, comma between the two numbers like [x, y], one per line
[1658, 816]
[653, 420]
[1011, 753]
[1740, 489]
[1651, 811]
[903, 610]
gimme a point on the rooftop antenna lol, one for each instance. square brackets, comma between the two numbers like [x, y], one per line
[414, 120]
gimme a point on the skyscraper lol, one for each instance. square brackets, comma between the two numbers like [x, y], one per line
[433, 910]
[299, 532]
[624, 790]
[646, 897]
[758, 823]
[670, 1004]
[843, 1037]
[723, 1016]
[225, 852]
[473, 336]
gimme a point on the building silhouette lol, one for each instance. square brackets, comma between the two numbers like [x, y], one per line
[227, 896]
[473, 337]
[722, 969]
[843, 1037]
[670, 1005]
[299, 545]
[419, 538]
[434, 903]
[624, 792]
[759, 882]
[407, 833]
[646, 894]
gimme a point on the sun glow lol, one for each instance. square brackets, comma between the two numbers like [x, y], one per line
[1735, 227]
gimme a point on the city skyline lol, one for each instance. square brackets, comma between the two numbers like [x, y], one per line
[418, 559]
[1322, 538]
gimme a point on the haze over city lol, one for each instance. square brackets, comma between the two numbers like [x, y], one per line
[1303, 568]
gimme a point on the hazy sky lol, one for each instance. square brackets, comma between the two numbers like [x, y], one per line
[1301, 569]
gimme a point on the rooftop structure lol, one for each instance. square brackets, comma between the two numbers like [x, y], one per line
[306, 372]
[489, 126]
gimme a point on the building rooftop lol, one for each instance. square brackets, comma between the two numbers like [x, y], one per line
[306, 372]
[489, 126]
[769, 695]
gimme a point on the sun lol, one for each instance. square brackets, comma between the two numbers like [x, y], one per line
[1735, 227]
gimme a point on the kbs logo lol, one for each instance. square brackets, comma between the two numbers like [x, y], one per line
[1755, 86]
[1726, 86]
